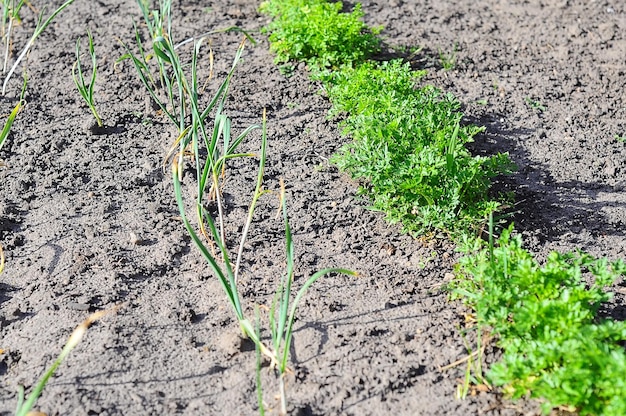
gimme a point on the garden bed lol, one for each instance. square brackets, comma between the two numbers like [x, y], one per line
[88, 219]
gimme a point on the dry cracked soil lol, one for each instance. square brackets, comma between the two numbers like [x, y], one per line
[88, 219]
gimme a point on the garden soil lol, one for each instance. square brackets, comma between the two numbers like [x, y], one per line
[88, 218]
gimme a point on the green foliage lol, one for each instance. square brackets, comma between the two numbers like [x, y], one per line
[409, 148]
[535, 105]
[408, 145]
[545, 319]
[409, 151]
[11, 11]
[86, 88]
[205, 133]
[317, 32]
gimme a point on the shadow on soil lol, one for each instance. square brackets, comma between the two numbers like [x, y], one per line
[544, 207]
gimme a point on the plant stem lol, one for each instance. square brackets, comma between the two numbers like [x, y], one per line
[283, 394]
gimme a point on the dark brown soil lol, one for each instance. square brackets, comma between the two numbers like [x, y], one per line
[89, 221]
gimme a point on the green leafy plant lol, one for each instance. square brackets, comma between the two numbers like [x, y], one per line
[408, 147]
[86, 88]
[24, 407]
[545, 318]
[319, 33]
[39, 28]
[621, 139]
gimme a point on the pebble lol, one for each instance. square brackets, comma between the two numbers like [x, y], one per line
[77, 306]
[134, 239]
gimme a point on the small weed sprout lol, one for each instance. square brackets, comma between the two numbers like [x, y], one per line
[407, 52]
[287, 69]
[448, 60]
[86, 88]
[535, 105]
[473, 377]
[621, 139]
